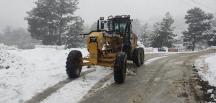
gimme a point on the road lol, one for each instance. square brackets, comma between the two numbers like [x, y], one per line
[167, 80]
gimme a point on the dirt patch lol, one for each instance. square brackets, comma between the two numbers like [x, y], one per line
[196, 88]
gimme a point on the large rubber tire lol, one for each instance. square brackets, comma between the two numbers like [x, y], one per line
[142, 55]
[120, 68]
[74, 64]
[137, 57]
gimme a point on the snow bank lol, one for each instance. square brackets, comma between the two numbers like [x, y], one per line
[5, 47]
[153, 59]
[51, 46]
[206, 67]
[211, 72]
[212, 47]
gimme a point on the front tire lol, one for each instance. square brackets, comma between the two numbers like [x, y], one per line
[74, 64]
[120, 68]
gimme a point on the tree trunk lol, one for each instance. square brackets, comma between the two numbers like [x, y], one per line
[193, 46]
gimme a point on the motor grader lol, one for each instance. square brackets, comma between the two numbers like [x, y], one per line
[111, 45]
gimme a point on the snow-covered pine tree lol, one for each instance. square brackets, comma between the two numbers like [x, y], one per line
[211, 34]
[50, 20]
[163, 35]
[198, 23]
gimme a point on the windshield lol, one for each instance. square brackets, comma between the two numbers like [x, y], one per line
[119, 27]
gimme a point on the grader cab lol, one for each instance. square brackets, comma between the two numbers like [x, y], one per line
[111, 45]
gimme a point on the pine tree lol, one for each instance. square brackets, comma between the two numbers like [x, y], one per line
[163, 35]
[50, 20]
[198, 23]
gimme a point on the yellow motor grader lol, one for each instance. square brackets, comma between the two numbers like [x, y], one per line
[111, 45]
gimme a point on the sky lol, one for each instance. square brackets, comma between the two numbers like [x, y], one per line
[14, 11]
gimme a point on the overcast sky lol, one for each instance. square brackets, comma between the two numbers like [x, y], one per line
[14, 11]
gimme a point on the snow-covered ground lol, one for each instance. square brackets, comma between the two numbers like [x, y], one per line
[25, 73]
[75, 90]
[206, 67]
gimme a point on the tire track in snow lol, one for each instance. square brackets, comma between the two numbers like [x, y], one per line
[43, 95]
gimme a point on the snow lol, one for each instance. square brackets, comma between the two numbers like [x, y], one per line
[25, 73]
[74, 91]
[140, 44]
[211, 72]
[30, 72]
[206, 67]
[5, 47]
[8, 61]
[153, 59]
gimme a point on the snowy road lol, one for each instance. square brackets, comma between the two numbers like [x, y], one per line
[167, 80]
[73, 93]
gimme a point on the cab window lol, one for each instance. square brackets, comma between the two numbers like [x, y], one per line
[120, 27]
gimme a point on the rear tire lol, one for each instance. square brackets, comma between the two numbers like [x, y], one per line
[142, 55]
[74, 64]
[120, 68]
[137, 57]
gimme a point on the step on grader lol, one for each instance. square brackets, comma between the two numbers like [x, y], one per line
[111, 45]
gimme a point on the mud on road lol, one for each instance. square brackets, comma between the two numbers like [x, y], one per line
[167, 80]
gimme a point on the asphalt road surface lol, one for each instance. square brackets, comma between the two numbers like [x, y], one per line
[167, 80]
